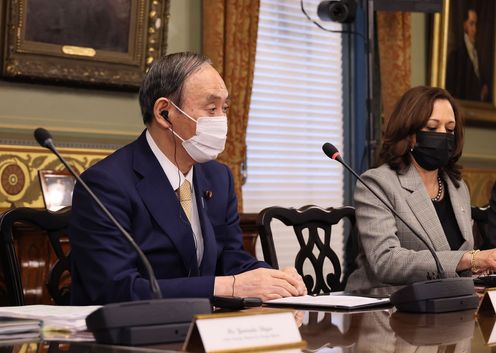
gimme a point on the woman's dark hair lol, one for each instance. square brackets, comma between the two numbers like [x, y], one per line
[166, 78]
[409, 116]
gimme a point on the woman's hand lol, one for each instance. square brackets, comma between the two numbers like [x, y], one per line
[480, 262]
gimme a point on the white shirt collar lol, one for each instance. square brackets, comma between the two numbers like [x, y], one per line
[174, 175]
[468, 43]
[472, 53]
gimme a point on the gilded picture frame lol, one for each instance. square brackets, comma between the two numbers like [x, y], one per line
[106, 43]
[465, 25]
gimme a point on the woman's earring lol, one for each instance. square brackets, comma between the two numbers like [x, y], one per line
[411, 149]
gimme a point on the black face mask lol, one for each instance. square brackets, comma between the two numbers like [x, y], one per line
[433, 150]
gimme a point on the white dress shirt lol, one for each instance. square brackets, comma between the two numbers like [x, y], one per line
[472, 54]
[176, 178]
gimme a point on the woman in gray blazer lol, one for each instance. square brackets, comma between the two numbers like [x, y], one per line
[419, 178]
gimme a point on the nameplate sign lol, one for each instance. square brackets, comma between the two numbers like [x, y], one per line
[253, 330]
[487, 327]
[488, 303]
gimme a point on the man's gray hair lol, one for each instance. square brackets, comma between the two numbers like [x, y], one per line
[166, 78]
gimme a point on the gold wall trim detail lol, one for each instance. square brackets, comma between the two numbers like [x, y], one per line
[19, 166]
[480, 183]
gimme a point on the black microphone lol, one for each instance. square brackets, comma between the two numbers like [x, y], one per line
[139, 322]
[435, 296]
[44, 138]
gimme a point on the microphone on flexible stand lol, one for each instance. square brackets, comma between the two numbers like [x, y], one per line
[44, 138]
[433, 296]
[139, 322]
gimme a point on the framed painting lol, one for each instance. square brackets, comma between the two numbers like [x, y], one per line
[108, 43]
[56, 188]
[463, 56]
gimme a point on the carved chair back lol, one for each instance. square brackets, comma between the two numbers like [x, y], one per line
[312, 227]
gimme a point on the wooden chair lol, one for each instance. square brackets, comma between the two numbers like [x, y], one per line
[21, 279]
[248, 224]
[312, 218]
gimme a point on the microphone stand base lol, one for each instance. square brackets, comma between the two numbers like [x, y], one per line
[145, 322]
[436, 296]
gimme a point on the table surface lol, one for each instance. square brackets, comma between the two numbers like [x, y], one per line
[384, 330]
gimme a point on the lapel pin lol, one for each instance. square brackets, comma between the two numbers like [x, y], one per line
[208, 195]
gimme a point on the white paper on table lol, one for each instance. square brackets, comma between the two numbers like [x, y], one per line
[331, 301]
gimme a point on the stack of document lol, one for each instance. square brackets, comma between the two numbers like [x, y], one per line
[64, 319]
[16, 329]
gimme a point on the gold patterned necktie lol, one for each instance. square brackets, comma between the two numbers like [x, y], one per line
[184, 193]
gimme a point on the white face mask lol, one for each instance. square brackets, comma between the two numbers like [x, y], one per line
[209, 140]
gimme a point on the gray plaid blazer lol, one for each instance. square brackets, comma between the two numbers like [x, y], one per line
[390, 253]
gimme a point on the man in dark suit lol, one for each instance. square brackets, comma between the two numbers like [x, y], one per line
[464, 79]
[177, 202]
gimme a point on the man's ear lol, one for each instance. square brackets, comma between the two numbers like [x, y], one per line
[161, 112]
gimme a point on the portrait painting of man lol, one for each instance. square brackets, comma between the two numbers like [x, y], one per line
[470, 50]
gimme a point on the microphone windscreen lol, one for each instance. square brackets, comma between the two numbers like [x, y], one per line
[42, 136]
[330, 151]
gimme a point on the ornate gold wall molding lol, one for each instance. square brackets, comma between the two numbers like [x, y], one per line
[19, 165]
[480, 182]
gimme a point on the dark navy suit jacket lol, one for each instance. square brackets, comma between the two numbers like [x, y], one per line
[134, 187]
[461, 80]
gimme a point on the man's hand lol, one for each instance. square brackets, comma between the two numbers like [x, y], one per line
[262, 283]
[302, 289]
